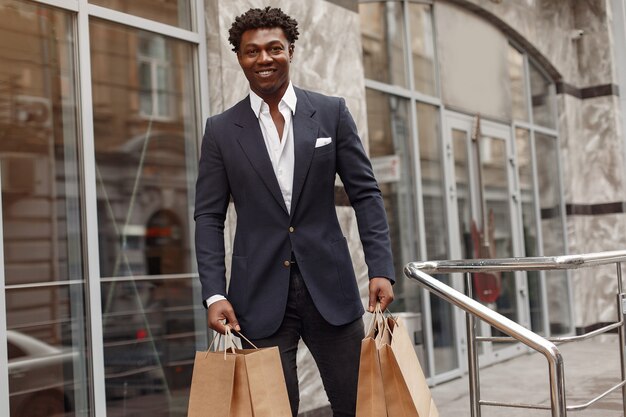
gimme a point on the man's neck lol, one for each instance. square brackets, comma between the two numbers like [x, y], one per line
[273, 100]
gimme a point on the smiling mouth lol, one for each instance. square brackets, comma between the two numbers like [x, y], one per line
[265, 73]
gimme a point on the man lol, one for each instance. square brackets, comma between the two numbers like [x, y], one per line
[276, 154]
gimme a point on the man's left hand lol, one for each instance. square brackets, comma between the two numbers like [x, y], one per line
[380, 291]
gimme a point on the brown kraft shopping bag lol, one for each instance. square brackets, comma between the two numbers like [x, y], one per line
[406, 390]
[212, 385]
[266, 382]
[370, 400]
[238, 383]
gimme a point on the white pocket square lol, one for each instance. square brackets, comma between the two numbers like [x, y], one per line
[322, 142]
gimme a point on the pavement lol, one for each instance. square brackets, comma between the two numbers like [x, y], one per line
[591, 368]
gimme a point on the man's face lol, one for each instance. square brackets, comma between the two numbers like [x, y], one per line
[264, 56]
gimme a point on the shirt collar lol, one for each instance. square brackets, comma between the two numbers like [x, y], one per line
[289, 99]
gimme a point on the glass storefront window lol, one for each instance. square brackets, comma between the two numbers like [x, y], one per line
[383, 39]
[549, 194]
[41, 219]
[472, 53]
[171, 12]
[432, 181]
[146, 156]
[552, 219]
[422, 48]
[494, 162]
[436, 227]
[519, 94]
[390, 151]
[529, 224]
[542, 92]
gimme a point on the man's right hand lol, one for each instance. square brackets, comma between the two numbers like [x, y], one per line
[221, 312]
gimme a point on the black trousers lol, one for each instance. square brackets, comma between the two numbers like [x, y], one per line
[336, 349]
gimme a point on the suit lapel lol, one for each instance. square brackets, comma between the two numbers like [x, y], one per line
[305, 130]
[253, 145]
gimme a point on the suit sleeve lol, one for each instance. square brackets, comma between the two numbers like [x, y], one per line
[355, 170]
[212, 198]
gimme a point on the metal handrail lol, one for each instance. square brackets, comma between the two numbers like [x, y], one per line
[538, 263]
[474, 309]
[505, 325]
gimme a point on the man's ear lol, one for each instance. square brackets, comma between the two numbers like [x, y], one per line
[291, 48]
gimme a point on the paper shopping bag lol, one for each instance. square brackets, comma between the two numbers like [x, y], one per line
[238, 383]
[266, 382]
[217, 385]
[370, 400]
[406, 391]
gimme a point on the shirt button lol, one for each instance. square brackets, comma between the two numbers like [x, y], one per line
[286, 264]
[291, 229]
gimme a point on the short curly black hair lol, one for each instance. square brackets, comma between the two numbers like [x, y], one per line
[270, 17]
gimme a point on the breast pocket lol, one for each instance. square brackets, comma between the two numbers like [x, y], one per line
[324, 149]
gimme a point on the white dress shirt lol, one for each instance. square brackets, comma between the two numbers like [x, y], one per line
[280, 150]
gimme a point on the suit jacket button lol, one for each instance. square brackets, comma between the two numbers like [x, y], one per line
[286, 264]
[291, 229]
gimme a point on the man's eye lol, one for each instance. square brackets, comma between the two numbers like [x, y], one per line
[252, 53]
[276, 49]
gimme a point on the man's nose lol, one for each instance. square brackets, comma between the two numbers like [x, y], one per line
[264, 56]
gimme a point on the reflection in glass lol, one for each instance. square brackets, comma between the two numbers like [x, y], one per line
[517, 78]
[391, 151]
[383, 39]
[172, 12]
[423, 47]
[529, 224]
[41, 212]
[45, 341]
[542, 92]
[436, 227]
[145, 139]
[496, 193]
[460, 141]
[495, 185]
[145, 143]
[461, 174]
[154, 58]
[149, 344]
[390, 147]
[472, 53]
[552, 230]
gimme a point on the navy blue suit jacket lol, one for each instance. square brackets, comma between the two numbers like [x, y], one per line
[234, 162]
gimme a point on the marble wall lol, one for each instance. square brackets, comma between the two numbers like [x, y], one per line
[327, 59]
[592, 145]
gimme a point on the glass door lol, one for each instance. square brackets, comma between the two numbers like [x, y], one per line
[482, 177]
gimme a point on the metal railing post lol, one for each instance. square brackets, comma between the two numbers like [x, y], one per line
[620, 330]
[557, 384]
[472, 354]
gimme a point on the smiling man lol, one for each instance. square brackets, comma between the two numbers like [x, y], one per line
[276, 154]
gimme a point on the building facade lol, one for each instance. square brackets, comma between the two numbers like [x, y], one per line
[484, 119]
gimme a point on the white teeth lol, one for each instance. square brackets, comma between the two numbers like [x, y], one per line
[265, 72]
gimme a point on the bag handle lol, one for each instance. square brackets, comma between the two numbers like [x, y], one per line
[246, 339]
[382, 316]
[377, 316]
[228, 340]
